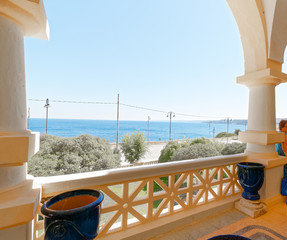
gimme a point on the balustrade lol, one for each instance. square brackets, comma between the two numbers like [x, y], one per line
[145, 194]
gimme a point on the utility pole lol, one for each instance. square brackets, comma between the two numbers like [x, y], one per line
[29, 118]
[170, 115]
[47, 105]
[209, 122]
[213, 133]
[228, 120]
[148, 119]
[118, 117]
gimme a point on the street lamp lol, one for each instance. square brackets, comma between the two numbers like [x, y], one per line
[228, 120]
[148, 119]
[29, 116]
[47, 105]
[170, 115]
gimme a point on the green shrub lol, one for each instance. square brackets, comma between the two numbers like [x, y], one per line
[237, 131]
[199, 150]
[202, 140]
[168, 151]
[133, 146]
[219, 146]
[171, 147]
[224, 134]
[233, 148]
[83, 153]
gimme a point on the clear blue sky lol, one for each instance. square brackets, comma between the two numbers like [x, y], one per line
[181, 56]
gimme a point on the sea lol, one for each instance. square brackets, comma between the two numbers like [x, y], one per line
[156, 131]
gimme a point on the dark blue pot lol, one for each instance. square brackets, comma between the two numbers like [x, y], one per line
[284, 186]
[251, 178]
[229, 237]
[72, 215]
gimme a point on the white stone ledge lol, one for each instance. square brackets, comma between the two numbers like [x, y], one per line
[17, 148]
[18, 206]
[56, 184]
[261, 137]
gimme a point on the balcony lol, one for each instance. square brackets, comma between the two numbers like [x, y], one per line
[162, 201]
[133, 208]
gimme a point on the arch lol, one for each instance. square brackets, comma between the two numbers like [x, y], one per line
[249, 16]
[276, 24]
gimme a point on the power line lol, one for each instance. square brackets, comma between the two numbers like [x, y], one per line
[189, 115]
[144, 108]
[37, 100]
[161, 111]
[65, 101]
[126, 105]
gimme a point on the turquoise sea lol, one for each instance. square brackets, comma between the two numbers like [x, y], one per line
[158, 131]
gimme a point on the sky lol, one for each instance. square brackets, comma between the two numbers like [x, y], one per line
[173, 56]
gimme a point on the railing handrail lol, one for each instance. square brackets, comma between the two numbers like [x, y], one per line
[54, 184]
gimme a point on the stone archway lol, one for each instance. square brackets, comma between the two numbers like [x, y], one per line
[263, 29]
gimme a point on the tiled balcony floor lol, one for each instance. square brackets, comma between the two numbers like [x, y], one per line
[270, 226]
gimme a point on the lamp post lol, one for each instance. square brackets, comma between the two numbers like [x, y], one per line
[47, 105]
[118, 119]
[228, 120]
[209, 122]
[29, 118]
[148, 119]
[170, 115]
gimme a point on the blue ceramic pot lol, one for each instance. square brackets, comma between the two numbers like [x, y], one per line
[72, 215]
[251, 178]
[229, 237]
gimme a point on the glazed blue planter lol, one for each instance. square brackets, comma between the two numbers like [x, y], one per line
[73, 215]
[251, 178]
[229, 237]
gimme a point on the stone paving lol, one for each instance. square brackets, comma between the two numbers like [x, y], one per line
[270, 226]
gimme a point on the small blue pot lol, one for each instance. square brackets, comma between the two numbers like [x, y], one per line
[72, 215]
[229, 237]
[251, 178]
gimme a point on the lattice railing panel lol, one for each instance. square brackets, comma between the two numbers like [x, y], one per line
[141, 201]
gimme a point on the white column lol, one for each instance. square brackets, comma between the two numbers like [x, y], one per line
[261, 114]
[12, 95]
[19, 198]
[12, 78]
[261, 134]
[17, 144]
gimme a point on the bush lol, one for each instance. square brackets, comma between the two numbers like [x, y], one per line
[202, 140]
[237, 131]
[84, 153]
[219, 146]
[171, 147]
[233, 148]
[199, 150]
[133, 146]
[224, 134]
[168, 151]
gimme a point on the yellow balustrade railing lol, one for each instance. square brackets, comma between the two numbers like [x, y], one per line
[139, 195]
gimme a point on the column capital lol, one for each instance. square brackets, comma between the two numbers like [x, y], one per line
[266, 76]
[29, 15]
